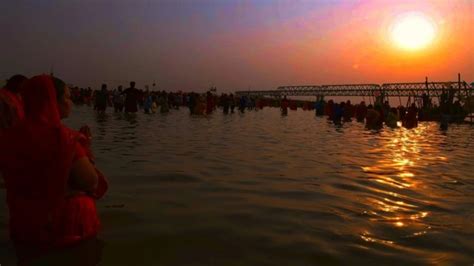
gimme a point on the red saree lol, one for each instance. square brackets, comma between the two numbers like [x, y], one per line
[36, 157]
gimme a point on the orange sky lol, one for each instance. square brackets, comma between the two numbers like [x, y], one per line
[232, 44]
[353, 45]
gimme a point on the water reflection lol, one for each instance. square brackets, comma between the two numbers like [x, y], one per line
[85, 253]
[290, 189]
[101, 121]
[400, 155]
[131, 118]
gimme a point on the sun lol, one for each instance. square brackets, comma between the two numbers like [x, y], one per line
[413, 31]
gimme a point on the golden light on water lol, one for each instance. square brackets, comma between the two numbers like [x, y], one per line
[413, 31]
[399, 224]
[396, 173]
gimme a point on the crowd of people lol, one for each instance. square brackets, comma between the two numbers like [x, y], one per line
[374, 116]
[131, 100]
[48, 172]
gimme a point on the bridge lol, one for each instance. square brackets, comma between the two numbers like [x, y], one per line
[432, 89]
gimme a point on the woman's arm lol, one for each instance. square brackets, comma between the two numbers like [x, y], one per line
[83, 175]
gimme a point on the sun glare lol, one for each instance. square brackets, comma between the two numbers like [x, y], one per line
[413, 31]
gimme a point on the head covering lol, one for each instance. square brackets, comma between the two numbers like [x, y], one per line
[35, 160]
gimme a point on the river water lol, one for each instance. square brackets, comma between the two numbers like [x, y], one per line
[261, 189]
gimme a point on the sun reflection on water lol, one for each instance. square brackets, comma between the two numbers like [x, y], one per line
[395, 174]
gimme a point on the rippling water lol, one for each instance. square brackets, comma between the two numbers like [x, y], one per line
[261, 189]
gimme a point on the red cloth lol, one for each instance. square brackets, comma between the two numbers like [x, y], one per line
[80, 152]
[36, 157]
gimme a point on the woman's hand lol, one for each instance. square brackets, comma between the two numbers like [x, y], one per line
[86, 131]
[85, 136]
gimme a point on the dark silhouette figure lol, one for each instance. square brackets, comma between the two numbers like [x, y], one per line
[131, 98]
[101, 99]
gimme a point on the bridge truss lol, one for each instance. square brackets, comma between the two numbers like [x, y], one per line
[431, 89]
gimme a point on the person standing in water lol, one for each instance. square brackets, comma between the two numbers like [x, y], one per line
[163, 101]
[319, 107]
[148, 102]
[232, 103]
[373, 119]
[209, 103]
[242, 103]
[392, 118]
[50, 180]
[411, 119]
[361, 112]
[131, 98]
[284, 106]
[118, 100]
[101, 99]
[192, 102]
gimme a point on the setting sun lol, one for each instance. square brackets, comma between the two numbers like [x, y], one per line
[413, 31]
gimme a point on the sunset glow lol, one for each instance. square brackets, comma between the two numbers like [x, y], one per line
[241, 44]
[413, 31]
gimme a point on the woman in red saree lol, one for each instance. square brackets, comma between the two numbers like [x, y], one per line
[51, 183]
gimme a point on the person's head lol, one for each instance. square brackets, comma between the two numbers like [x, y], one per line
[63, 96]
[132, 84]
[120, 88]
[15, 82]
[104, 87]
